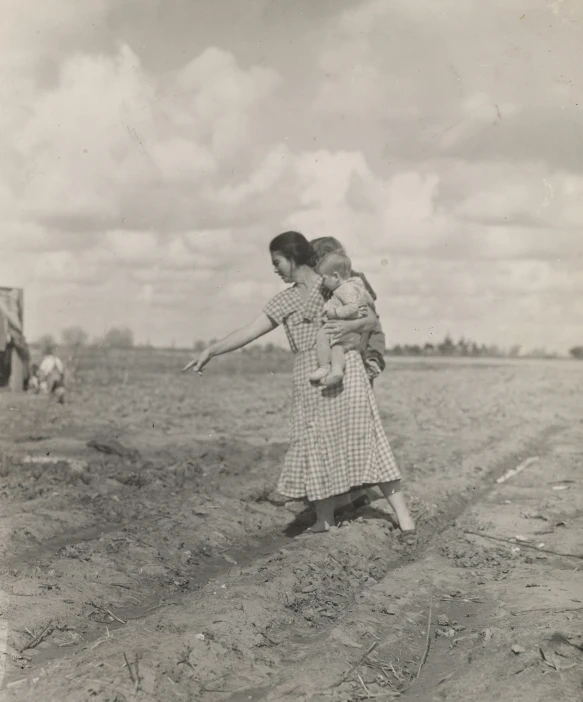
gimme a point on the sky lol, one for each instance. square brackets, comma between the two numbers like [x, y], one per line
[150, 150]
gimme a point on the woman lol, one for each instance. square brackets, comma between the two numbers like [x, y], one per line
[337, 441]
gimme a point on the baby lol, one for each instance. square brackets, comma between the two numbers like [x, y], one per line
[373, 344]
[349, 300]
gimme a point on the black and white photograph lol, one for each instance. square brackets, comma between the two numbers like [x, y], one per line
[291, 350]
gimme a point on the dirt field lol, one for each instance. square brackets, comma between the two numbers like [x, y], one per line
[147, 556]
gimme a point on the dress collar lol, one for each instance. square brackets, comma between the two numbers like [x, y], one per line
[312, 307]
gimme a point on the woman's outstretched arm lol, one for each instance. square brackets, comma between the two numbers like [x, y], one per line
[235, 340]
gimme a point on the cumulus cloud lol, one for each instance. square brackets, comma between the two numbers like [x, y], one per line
[107, 140]
[434, 141]
[466, 78]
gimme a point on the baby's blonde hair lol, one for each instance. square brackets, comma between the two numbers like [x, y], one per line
[335, 263]
[325, 245]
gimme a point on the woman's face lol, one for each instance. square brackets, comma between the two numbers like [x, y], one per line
[282, 266]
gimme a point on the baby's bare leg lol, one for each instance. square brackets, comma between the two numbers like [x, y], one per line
[338, 360]
[324, 353]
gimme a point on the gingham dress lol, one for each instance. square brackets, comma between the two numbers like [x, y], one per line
[337, 441]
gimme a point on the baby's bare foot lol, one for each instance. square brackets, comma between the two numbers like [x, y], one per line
[335, 377]
[319, 374]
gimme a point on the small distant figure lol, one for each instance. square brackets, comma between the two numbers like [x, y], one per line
[33, 384]
[349, 300]
[50, 375]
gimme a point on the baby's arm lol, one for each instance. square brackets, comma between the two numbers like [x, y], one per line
[350, 299]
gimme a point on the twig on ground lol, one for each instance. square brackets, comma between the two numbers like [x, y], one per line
[427, 645]
[106, 611]
[551, 663]
[129, 667]
[364, 687]
[515, 471]
[38, 639]
[265, 636]
[427, 639]
[356, 665]
[135, 538]
[445, 677]
[522, 544]
[137, 672]
[397, 676]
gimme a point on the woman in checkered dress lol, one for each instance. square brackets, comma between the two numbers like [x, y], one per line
[337, 441]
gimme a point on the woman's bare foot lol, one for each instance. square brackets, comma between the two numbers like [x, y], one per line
[408, 537]
[392, 491]
[324, 515]
[406, 524]
[319, 527]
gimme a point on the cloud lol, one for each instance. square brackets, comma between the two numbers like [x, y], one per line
[477, 80]
[434, 140]
[109, 143]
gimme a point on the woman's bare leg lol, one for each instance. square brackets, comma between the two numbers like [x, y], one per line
[324, 514]
[392, 491]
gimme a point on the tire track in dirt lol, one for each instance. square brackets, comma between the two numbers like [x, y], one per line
[357, 558]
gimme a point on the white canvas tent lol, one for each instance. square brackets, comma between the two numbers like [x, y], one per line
[13, 347]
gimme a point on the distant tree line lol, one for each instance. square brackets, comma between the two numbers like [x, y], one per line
[76, 337]
[466, 348]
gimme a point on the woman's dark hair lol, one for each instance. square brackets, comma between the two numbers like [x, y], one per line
[295, 247]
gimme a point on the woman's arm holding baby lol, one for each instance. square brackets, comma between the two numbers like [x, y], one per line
[343, 327]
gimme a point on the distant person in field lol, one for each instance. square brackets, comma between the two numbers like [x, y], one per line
[51, 374]
[337, 440]
[33, 381]
[372, 344]
[349, 299]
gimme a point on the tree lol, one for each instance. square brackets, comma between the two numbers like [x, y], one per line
[577, 352]
[118, 338]
[74, 337]
[447, 347]
[412, 349]
[462, 348]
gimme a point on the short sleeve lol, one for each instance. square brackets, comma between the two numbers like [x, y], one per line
[280, 306]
